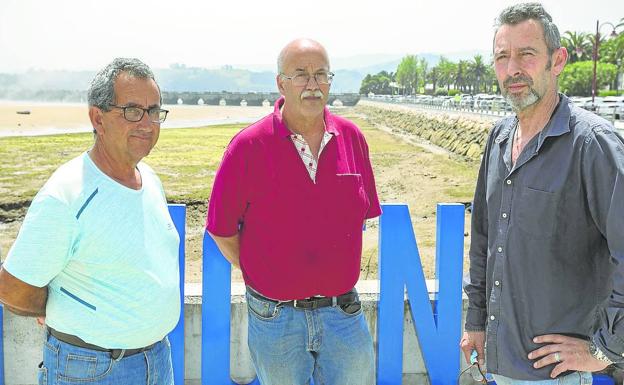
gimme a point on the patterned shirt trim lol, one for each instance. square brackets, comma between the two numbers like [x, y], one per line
[303, 149]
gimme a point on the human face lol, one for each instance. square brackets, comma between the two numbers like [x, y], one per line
[524, 69]
[307, 101]
[125, 141]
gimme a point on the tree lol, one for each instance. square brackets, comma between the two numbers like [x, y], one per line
[461, 76]
[378, 84]
[576, 78]
[578, 45]
[434, 77]
[612, 51]
[407, 74]
[478, 72]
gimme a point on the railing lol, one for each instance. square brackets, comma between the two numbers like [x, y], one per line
[491, 108]
[437, 324]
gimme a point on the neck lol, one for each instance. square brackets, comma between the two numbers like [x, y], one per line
[303, 125]
[123, 172]
[534, 118]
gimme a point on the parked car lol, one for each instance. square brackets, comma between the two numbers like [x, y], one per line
[611, 106]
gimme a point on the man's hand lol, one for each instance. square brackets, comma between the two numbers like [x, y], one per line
[473, 341]
[568, 353]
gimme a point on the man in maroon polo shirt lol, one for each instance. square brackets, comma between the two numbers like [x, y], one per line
[287, 207]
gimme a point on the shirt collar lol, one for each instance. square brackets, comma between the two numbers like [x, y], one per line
[283, 131]
[558, 124]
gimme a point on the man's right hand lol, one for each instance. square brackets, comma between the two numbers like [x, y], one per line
[473, 341]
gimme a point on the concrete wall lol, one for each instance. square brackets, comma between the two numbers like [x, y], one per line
[463, 135]
[23, 339]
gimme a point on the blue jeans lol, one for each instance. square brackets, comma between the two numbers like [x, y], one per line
[290, 346]
[65, 364]
[576, 378]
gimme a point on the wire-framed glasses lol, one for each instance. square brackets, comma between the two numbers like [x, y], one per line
[302, 78]
[135, 114]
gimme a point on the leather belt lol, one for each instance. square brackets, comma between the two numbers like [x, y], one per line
[311, 303]
[116, 354]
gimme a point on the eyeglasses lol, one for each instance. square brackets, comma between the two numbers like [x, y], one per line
[135, 114]
[475, 372]
[301, 79]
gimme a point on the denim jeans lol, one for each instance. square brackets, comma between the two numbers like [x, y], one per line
[290, 346]
[65, 364]
[576, 378]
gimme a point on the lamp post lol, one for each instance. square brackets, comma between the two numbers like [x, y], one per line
[595, 56]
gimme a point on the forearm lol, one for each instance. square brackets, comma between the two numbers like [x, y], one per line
[21, 298]
[229, 247]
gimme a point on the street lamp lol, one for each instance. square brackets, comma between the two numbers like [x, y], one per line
[596, 44]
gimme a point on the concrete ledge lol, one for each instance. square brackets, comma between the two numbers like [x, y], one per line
[23, 339]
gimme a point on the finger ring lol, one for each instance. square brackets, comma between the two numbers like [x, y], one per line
[557, 357]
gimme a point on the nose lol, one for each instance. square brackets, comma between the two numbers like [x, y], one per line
[312, 83]
[145, 123]
[513, 66]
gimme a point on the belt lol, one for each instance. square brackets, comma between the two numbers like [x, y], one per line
[311, 303]
[116, 354]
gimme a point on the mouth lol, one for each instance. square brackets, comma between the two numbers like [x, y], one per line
[516, 87]
[147, 138]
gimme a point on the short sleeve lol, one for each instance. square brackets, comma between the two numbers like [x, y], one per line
[374, 209]
[228, 199]
[45, 242]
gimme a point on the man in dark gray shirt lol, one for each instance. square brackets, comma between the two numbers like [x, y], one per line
[546, 291]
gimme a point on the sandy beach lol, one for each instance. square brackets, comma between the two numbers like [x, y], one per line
[57, 118]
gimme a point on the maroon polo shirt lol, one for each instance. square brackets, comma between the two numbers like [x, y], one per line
[297, 238]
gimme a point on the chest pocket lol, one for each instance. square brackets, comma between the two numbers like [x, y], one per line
[350, 197]
[536, 212]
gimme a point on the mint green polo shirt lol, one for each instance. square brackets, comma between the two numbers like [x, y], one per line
[108, 254]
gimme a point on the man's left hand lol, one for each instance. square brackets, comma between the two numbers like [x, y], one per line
[568, 353]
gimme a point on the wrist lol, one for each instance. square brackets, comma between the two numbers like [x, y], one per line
[598, 354]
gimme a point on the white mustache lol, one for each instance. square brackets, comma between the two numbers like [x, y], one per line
[315, 94]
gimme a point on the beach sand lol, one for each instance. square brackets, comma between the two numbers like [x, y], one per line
[56, 118]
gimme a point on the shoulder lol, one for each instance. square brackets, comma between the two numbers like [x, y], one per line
[345, 127]
[587, 124]
[69, 182]
[255, 132]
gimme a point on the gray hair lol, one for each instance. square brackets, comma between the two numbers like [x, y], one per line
[518, 13]
[102, 93]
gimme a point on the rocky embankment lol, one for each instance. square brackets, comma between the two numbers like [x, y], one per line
[461, 134]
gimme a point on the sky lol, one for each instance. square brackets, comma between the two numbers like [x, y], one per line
[87, 34]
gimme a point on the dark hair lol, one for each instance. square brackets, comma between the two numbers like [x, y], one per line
[518, 13]
[102, 94]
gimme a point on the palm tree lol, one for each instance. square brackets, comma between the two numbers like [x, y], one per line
[578, 44]
[461, 75]
[478, 72]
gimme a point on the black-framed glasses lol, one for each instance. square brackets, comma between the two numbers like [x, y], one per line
[475, 371]
[301, 79]
[135, 114]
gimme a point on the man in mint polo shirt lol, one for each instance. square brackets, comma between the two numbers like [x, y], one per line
[97, 252]
[287, 207]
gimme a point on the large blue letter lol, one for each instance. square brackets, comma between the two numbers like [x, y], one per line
[216, 302]
[176, 337]
[438, 331]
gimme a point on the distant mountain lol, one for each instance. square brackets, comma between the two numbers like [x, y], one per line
[349, 74]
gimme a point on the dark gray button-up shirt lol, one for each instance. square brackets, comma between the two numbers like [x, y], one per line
[547, 247]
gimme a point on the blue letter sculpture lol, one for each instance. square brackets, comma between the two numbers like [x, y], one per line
[400, 267]
[176, 337]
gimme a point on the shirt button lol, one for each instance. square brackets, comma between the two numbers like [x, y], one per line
[497, 283]
[500, 249]
[504, 215]
[492, 317]
[508, 181]
[310, 164]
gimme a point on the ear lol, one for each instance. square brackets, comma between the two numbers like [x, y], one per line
[280, 83]
[559, 60]
[96, 116]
